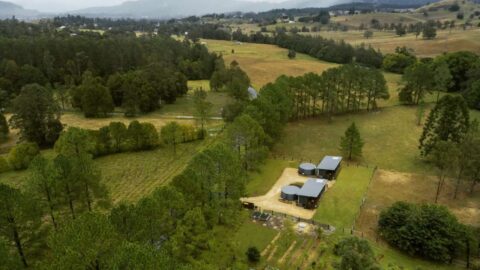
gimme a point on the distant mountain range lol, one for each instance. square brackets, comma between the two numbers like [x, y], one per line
[7, 10]
[164, 9]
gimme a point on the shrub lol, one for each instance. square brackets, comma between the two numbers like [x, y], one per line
[429, 231]
[355, 253]
[4, 130]
[253, 254]
[22, 154]
[4, 167]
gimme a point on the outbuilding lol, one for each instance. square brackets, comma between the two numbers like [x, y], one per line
[307, 169]
[311, 192]
[329, 167]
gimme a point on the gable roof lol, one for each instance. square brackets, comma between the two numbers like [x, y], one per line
[330, 163]
[312, 188]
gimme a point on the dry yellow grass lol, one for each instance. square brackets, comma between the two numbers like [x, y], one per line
[265, 63]
[457, 40]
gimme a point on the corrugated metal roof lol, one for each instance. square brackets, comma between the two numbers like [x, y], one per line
[312, 188]
[329, 163]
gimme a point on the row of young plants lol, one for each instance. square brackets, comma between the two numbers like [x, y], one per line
[112, 139]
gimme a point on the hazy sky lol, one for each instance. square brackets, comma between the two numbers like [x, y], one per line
[65, 5]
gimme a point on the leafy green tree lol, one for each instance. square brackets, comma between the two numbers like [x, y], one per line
[445, 157]
[75, 144]
[8, 261]
[4, 130]
[448, 121]
[95, 98]
[368, 34]
[171, 134]
[419, 80]
[4, 166]
[472, 95]
[36, 115]
[20, 219]
[203, 107]
[142, 136]
[247, 137]
[137, 256]
[43, 187]
[253, 254]
[429, 30]
[69, 190]
[191, 236]
[443, 77]
[88, 242]
[118, 136]
[22, 154]
[460, 64]
[429, 231]
[397, 62]
[292, 54]
[355, 254]
[351, 143]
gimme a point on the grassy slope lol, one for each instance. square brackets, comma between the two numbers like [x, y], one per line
[265, 63]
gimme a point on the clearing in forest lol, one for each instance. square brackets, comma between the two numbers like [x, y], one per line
[265, 63]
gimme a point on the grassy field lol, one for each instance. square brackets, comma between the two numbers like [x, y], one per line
[334, 207]
[265, 63]
[387, 42]
[391, 138]
[415, 188]
[131, 176]
[262, 181]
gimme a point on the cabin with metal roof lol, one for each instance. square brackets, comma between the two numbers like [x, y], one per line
[311, 192]
[329, 167]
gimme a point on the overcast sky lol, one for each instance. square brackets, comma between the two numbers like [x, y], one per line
[65, 5]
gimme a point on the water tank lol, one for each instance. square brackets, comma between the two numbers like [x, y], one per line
[289, 193]
[307, 169]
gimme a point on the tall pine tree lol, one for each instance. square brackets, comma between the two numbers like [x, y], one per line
[351, 144]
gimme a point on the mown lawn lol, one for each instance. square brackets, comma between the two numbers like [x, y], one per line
[261, 182]
[252, 235]
[341, 203]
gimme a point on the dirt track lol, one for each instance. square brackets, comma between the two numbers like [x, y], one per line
[271, 200]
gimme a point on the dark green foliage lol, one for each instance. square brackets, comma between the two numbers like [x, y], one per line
[292, 54]
[248, 138]
[4, 166]
[419, 80]
[472, 95]
[429, 231]
[355, 254]
[92, 97]
[351, 143]
[89, 241]
[202, 109]
[429, 30]
[460, 64]
[76, 145]
[253, 254]
[20, 220]
[399, 61]
[36, 115]
[22, 154]
[8, 260]
[454, 8]
[171, 134]
[448, 121]
[191, 236]
[4, 130]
